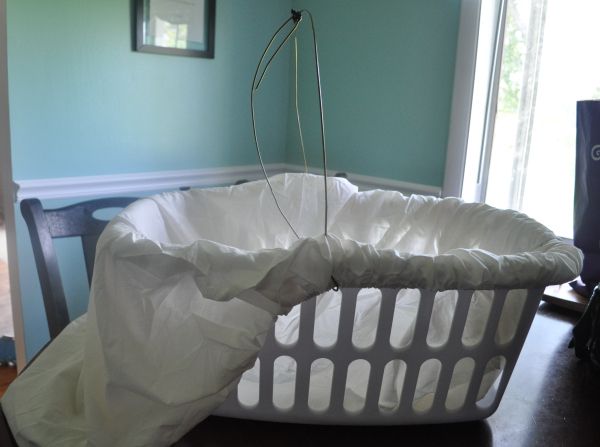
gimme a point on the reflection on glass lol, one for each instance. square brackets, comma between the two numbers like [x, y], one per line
[176, 24]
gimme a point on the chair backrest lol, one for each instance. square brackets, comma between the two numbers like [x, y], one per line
[71, 221]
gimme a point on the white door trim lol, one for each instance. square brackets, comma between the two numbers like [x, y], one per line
[462, 97]
[7, 198]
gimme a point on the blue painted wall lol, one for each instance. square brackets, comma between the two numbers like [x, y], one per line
[387, 71]
[83, 103]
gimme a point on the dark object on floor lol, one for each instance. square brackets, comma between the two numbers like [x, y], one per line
[582, 288]
[586, 217]
[586, 334]
[7, 350]
[6, 437]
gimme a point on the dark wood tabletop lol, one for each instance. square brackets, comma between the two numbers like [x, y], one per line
[552, 399]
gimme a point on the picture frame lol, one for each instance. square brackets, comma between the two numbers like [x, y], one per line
[176, 27]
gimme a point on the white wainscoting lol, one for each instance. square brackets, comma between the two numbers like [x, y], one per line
[106, 185]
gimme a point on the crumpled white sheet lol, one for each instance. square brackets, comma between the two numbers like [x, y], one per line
[187, 285]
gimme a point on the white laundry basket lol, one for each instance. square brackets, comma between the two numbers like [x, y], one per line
[406, 356]
[394, 355]
[437, 298]
[456, 366]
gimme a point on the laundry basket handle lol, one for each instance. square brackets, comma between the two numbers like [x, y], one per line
[295, 18]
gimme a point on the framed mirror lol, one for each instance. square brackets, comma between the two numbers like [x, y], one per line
[178, 27]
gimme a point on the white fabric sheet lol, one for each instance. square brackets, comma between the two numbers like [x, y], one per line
[187, 284]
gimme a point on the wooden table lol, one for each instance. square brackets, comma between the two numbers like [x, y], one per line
[552, 399]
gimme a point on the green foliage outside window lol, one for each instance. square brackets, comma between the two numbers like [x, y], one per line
[512, 64]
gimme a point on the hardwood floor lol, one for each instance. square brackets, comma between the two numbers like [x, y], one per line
[3, 254]
[6, 325]
[7, 375]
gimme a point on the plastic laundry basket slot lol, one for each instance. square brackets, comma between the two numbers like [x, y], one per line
[366, 324]
[391, 392]
[442, 316]
[461, 378]
[357, 380]
[283, 392]
[477, 317]
[429, 376]
[509, 318]
[405, 316]
[325, 333]
[487, 393]
[321, 378]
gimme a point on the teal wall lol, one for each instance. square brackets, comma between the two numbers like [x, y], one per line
[387, 69]
[83, 103]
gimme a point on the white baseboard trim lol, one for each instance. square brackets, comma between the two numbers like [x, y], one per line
[118, 184]
[366, 182]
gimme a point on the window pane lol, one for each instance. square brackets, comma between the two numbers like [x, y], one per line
[549, 62]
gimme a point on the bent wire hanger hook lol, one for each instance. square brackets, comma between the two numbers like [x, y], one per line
[296, 19]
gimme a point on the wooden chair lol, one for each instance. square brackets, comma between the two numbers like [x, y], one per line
[44, 226]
